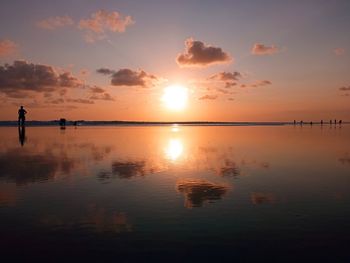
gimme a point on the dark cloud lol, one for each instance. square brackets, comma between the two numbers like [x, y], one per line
[345, 88]
[200, 54]
[105, 71]
[261, 49]
[52, 23]
[7, 47]
[198, 191]
[23, 76]
[227, 76]
[208, 97]
[128, 77]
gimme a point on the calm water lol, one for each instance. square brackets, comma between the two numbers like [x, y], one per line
[175, 193]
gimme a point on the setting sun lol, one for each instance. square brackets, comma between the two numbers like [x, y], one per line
[175, 97]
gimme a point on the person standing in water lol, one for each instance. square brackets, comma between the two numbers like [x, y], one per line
[21, 116]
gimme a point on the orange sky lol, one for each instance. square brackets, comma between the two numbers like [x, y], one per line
[114, 60]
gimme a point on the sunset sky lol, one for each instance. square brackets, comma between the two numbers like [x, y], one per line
[162, 60]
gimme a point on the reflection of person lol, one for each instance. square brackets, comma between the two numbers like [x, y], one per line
[22, 134]
[21, 116]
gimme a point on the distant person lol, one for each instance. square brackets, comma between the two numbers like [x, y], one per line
[311, 123]
[321, 122]
[295, 122]
[301, 122]
[335, 122]
[330, 122]
[21, 116]
[340, 122]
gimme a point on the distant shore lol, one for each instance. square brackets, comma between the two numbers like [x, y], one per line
[154, 123]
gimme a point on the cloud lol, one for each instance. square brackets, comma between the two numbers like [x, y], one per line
[104, 96]
[199, 54]
[52, 23]
[208, 97]
[7, 47]
[339, 51]
[103, 21]
[83, 101]
[227, 76]
[345, 88]
[23, 76]
[261, 49]
[96, 89]
[129, 77]
[198, 191]
[105, 71]
[259, 83]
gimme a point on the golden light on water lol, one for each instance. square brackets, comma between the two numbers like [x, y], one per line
[175, 97]
[174, 149]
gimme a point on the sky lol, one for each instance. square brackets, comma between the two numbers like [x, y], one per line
[153, 60]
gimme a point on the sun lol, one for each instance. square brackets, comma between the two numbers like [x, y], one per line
[175, 97]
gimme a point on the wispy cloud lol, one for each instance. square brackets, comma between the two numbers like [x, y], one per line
[208, 97]
[339, 51]
[227, 76]
[199, 54]
[261, 49]
[102, 22]
[7, 47]
[52, 23]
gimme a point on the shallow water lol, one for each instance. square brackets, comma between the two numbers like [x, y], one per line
[175, 193]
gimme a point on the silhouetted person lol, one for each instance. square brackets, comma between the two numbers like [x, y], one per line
[330, 122]
[311, 123]
[295, 122]
[340, 122]
[335, 121]
[22, 134]
[21, 116]
[301, 122]
[321, 122]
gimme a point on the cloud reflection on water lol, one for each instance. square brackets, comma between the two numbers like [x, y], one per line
[198, 191]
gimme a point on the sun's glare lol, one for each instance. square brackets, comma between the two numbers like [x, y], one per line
[174, 149]
[175, 97]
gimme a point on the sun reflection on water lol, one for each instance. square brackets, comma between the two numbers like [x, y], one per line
[174, 149]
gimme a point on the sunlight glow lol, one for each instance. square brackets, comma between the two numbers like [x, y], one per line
[174, 149]
[175, 97]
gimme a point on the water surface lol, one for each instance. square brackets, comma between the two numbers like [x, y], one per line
[175, 193]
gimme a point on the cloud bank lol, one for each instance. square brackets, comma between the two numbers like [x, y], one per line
[199, 54]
